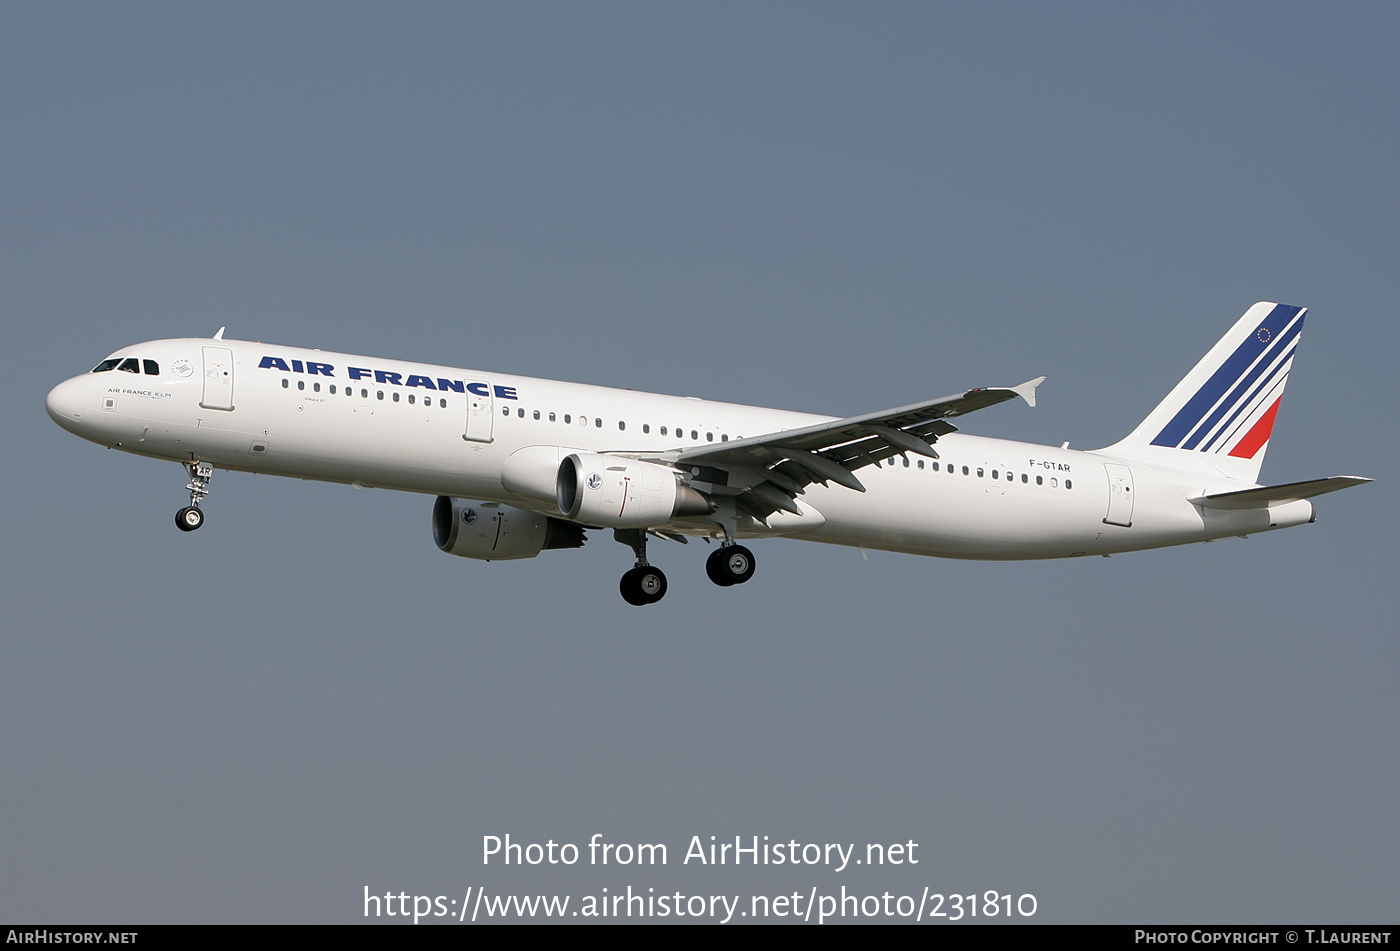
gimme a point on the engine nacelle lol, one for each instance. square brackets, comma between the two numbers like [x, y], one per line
[623, 493]
[491, 531]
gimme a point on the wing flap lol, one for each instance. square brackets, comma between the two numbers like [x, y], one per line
[768, 472]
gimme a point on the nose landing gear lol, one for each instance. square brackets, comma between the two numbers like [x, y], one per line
[192, 516]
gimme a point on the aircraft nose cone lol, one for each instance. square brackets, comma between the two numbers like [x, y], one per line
[65, 403]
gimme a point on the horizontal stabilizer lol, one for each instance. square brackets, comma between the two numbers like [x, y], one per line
[1278, 494]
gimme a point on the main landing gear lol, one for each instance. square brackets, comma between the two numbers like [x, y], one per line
[192, 516]
[643, 584]
[730, 564]
[727, 565]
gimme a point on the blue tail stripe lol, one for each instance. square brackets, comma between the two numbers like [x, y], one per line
[1252, 399]
[1230, 435]
[1279, 342]
[1198, 405]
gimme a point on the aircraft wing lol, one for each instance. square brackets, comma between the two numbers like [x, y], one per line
[767, 472]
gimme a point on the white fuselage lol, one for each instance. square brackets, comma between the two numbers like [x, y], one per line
[446, 431]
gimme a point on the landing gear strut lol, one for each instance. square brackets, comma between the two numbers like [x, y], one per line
[192, 516]
[642, 584]
[730, 563]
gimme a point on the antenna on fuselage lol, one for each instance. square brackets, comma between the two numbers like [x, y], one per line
[220, 334]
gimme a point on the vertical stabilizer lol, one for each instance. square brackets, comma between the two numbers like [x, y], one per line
[1220, 416]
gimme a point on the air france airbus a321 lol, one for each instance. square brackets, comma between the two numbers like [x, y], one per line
[520, 465]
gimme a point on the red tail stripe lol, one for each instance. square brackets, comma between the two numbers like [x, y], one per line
[1258, 434]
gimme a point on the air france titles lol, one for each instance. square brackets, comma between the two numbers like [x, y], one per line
[388, 377]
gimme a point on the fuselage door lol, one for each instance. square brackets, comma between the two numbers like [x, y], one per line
[218, 378]
[481, 416]
[1120, 496]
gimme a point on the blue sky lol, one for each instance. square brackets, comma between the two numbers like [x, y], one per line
[821, 207]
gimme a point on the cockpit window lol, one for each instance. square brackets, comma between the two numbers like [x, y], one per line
[152, 369]
[106, 365]
[130, 365]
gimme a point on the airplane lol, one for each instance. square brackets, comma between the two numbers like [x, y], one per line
[522, 465]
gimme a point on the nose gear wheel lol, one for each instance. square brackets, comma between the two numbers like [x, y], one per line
[189, 518]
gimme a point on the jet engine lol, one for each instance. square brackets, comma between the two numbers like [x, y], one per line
[623, 493]
[491, 531]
